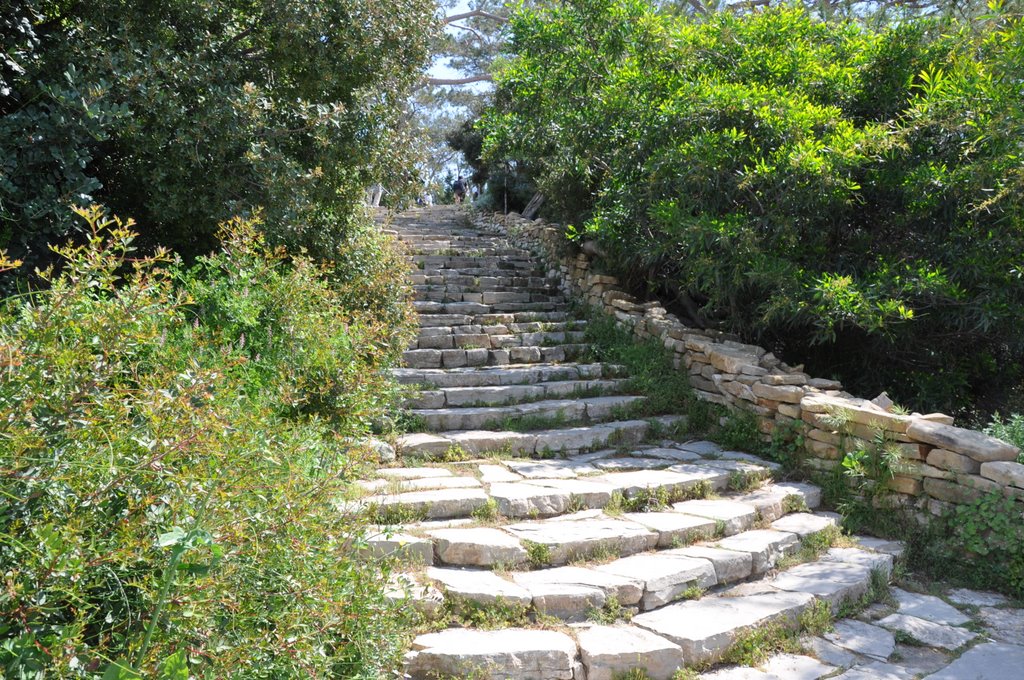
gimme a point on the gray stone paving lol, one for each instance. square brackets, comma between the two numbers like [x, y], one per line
[551, 539]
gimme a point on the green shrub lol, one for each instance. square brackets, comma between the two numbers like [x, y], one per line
[162, 507]
[1010, 430]
[849, 196]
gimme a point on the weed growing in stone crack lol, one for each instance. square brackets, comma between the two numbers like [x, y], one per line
[527, 423]
[794, 503]
[878, 591]
[615, 505]
[738, 431]
[816, 619]
[492, 616]
[757, 645]
[741, 481]
[576, 504]
[486, 513]
[631, 674]
[538, 554]
[394, 515]
[693, 592]
[812, 546]
[610, 612]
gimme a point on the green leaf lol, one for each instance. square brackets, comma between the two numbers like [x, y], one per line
[174, 667]
[171, 538]
[118, 670]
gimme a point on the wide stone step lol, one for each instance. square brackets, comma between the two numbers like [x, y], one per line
[494, 340]
[428, 320]
[441, 302]
[520, 416]
[659, 642]
[543, 442]
[481, 356]
[489, 262]
[454, 282]
[511, 328]
[513, 394]
[494, 376]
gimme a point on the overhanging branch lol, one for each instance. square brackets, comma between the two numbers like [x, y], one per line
[481, 78]
[475, 13]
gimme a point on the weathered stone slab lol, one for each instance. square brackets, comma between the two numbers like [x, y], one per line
[528, 500]
[632, 463]
[665, 576]
[405, 546]
[729, 565]
[796, 667]
[414, 472]
[432, 504]
[1005, 625]
[977, 445]
[863, 638]
[701, 447]
[674, 529]
[673, 454]
[804, 524]
[882, 545]
[705, 628]
[483, 441]
[975, 598]
[764, 546]
[493, 655]
[735, 517]
[828, 652]
[928, 632]
[835, 582]
[627, 590]
[569, 602]
[422, 442]
[876, 670]
[1007, 473]
[872, 560]
[928, 607]
[609, 651]
[567, 541]
[478, 547]
[632, 483]
[590, 493]
[495, 474]
[482, 587]
[548, 469]
[989, 661]
[421, 484]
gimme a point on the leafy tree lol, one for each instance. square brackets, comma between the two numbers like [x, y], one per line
[843, 194]
[184, 113]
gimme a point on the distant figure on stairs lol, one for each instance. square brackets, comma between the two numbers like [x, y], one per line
[373, 195]
[459, 189]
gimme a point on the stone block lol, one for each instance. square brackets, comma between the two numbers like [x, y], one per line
[612, 651]
[1007, 473]
[955, 462]
[790, 394]
[510, 654]
[976, 445]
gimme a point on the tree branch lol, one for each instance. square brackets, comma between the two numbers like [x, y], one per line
[483, 77]
[467, 28]
[474, 13]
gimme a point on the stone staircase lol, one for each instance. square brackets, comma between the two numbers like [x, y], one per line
[545, 534]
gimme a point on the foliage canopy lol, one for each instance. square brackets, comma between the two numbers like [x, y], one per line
[850, 195]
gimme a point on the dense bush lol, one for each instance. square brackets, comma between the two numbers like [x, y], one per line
[187, 112]
[846, 195]
[173, 445]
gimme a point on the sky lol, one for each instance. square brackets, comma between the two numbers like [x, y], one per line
[439, 70]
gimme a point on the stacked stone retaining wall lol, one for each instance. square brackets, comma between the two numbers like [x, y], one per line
[940, 464]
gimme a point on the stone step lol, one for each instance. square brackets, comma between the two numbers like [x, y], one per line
[493, 376]
[660, 641]
[542, 442]
[480, 356]
[440, 302]
[513, 394]
[585, 410]
[490, 262]
[431, 320]
[455, 282]
[497, 340]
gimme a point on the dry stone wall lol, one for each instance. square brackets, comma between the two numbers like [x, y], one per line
[941, 464]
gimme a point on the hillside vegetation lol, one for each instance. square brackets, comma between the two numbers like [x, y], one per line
[847, 195]
[184, 402]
